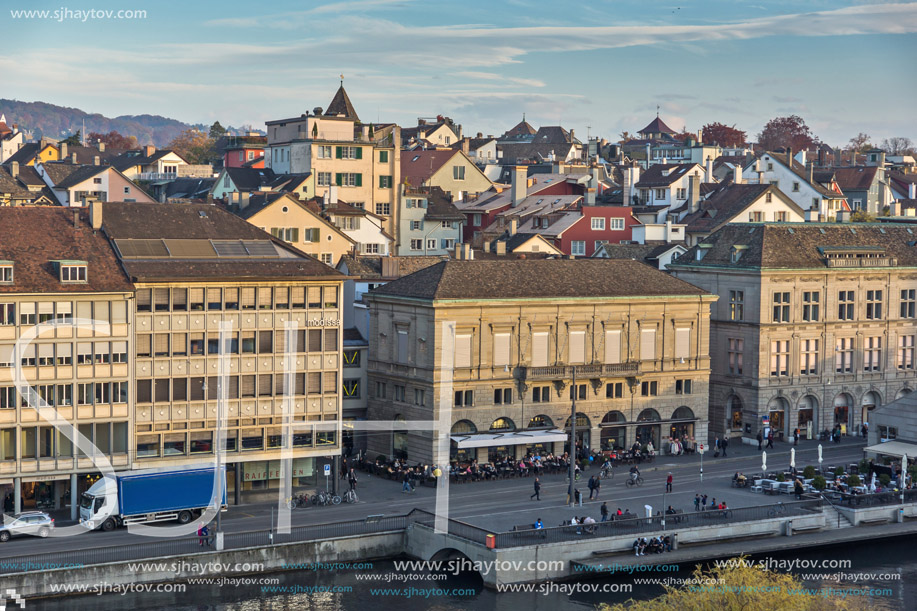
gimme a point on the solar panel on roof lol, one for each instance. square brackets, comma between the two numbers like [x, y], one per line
[190, 248]
[260, 248]
[131, 249]
[229, 248]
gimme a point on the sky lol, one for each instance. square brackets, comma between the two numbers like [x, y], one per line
[600, 68]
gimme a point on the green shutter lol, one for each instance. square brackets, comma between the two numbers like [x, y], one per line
[383, 156]
[382, 182]
[295, 234]
[339, 152]
[359, 177]
[339, 178]
[359, 152]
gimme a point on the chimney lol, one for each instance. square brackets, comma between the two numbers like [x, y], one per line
[519, 184]
[668, 230]
[243, 202]
[101, 147]
[365, 133]
[95, 214]
[466, 146]
[590, 196]
[14, 169]
[822, 156]
[149, 150]
[96, 160]
[648, 152]
[912, 190]
[486, 246]
[894, 209]
[709, 168]
[694, 192]
[501, 248]
[737, 174]
[73, 158]
[334, 195]
[882, 160]
[76, 218]
[700, 136]
[810, 172]
[466, 252]
[63, 151]
[458, 252]
[513, 226]
[572, 135]
[789, 157]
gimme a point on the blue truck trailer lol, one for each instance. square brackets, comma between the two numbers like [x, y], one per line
[144, 497]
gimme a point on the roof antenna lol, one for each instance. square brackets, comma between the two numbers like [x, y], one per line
[342, 80]
[657, 111]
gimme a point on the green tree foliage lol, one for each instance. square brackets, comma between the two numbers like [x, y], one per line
[73, 139]
[745, 586]
[783, 132]
[819, 483]
[217, 131]
[861, 216]
[808, 472]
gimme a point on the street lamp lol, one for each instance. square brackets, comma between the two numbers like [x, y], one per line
[572, 461]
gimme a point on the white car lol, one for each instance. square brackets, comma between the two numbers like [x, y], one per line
[36, 523]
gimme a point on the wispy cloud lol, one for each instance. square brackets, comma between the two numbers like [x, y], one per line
[493, 76]
[294, 19]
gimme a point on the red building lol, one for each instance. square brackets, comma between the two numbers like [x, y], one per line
[597, 224]
[244, 156]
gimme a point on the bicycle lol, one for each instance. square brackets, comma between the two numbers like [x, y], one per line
[777, 510]
[325, 498]
[607, 473]
[634, 481]
[350, 497]
[298, 500]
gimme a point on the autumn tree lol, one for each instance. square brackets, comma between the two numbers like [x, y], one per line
[624, 137]
[898, 146]
[860, 142]
[783, 132]
[742, 584]
[723, 135]
[194, 146]
[114, 140]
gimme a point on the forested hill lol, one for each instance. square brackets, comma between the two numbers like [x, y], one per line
[40, 119]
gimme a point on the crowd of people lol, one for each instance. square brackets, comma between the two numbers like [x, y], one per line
[655, 545]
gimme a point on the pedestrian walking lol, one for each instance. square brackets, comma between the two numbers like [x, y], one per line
[406, 482]
[770, 439]
[604, 510]
[537, 494]
[703, 503]
[668, 482]
[760, 438]
[591, 485]
[723, 445]
[352, 480]
[598, 486]
[795, 437]
[202, 533]
[696, 502]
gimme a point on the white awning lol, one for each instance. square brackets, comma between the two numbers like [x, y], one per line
[486, 440]
[894, 448]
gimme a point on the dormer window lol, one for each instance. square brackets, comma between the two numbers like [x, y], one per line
[72, 271]
[737, 252]
[6, 272]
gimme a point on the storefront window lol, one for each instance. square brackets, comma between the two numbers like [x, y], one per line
[252, 439]
[498, 453]
[147, 445]
[173, 444]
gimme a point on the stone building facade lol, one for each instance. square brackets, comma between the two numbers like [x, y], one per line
[489, 350]
[814, 327]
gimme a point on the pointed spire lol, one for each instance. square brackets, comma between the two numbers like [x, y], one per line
[2, 118]
[341, 105]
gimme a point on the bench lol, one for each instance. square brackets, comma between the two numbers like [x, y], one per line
[529, 529]
[733, 538]
[874, 521]
[676, 517]
[805, 528]
[374, 518]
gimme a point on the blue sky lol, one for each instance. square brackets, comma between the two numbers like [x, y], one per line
[600, 68]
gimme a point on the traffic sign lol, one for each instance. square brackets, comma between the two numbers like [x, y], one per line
[700, 448]
[327, 470]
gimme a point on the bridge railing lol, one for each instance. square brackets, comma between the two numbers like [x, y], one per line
[642, 526]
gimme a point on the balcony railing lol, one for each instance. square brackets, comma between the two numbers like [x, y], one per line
[582, 371]
[862, 262]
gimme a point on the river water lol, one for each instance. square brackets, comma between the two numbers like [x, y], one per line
[883, 561]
